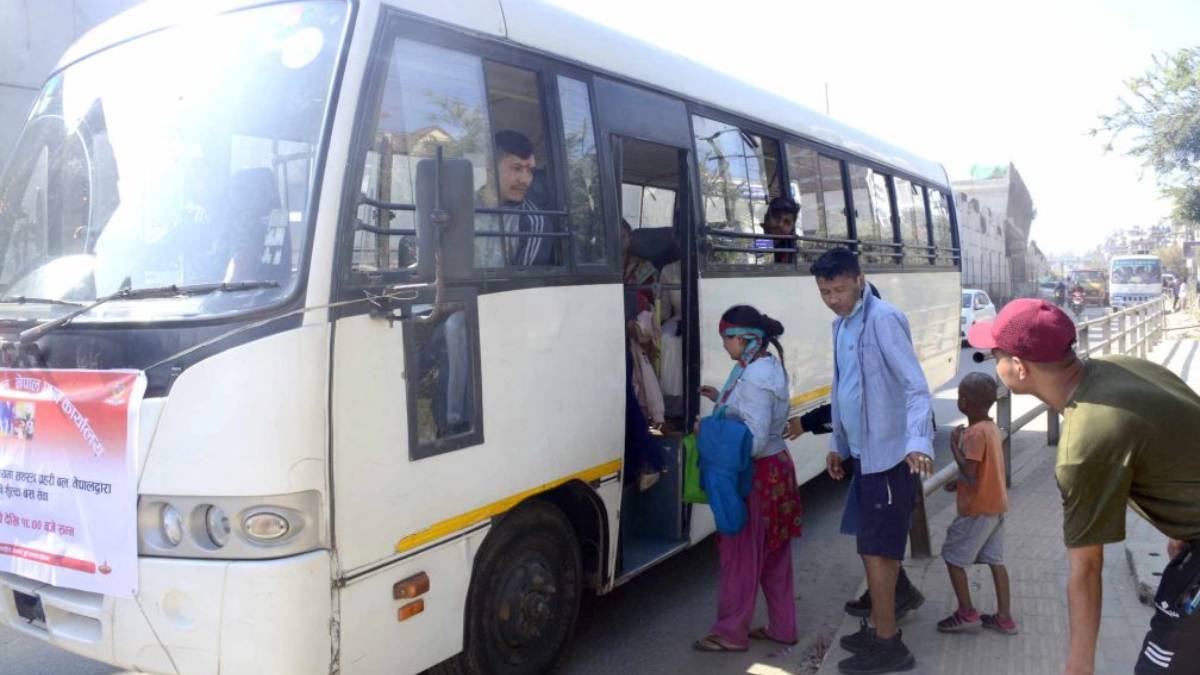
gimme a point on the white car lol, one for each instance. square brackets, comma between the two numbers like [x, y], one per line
[976, 306]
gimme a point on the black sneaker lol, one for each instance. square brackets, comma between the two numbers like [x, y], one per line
[860, 641]
[860, 607]
[908, 598]
[883, 656]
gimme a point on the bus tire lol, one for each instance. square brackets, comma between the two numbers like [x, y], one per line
[524, 595]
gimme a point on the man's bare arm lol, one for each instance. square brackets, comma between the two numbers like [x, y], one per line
[1084, 599]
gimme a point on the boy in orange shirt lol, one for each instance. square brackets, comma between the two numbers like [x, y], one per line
[977, 534]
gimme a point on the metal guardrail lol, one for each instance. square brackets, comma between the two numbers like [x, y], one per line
[1139, 328]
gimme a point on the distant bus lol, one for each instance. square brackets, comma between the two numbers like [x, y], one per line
[1134, 279]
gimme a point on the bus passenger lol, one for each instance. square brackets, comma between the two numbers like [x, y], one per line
[756, 393]
[819, 421]
[515, 164]
[780, 220]
[642, 329]
[877, 378]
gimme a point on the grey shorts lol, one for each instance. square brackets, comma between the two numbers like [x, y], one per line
[975, 539]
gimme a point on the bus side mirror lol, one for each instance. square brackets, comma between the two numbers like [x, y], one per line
[445, 198]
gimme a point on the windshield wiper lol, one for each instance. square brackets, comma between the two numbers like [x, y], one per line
[25, 300]
[35, 333]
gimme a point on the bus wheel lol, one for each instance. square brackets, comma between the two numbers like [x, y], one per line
[524, 596]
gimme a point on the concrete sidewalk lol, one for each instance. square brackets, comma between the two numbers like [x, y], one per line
[1038, 570]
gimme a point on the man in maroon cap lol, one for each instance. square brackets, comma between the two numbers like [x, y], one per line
[1131, 435]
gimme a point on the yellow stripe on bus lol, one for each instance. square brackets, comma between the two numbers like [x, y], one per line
[462, 522]
[810, 396]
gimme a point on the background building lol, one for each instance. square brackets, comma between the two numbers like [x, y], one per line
[33, 35]
[984, 256]
[999, 201]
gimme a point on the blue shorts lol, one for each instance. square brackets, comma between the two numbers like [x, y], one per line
[884, 503]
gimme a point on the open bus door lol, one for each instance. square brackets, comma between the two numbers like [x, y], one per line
[650, 165]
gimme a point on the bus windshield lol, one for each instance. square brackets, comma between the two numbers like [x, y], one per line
[185, 156]
[1136, 271]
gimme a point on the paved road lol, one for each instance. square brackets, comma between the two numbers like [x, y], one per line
[652, 620]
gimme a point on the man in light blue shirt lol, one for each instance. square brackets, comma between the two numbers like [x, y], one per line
[849, 375]
[881, 420]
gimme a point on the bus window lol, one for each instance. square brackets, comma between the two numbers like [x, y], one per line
[647, 206]
[444, 401]
[488, 113]
[833, 196]
[939, 212]
[872, 210]
[583, 171]
[431, 97]
[805, 188]
[816, 185]
[520, 182]
[914, 231]
[739, 175]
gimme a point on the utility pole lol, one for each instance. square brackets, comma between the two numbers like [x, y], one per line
[827, 99]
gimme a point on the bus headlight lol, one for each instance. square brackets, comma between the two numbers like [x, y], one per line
[242, 528]
[171, 524]
[216, 525]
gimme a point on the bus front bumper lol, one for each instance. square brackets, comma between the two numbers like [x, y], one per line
[190, 616]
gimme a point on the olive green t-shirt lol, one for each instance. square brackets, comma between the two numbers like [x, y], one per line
[1131, 434]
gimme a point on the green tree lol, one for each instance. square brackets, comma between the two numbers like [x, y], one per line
[1160, 115]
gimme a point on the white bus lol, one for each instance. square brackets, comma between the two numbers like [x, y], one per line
[1134, 279]
[436, 425]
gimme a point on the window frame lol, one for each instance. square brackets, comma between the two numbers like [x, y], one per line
[937, 253]
[396, 25]
[852, 242]
[468, 298]
[844, 158]
[610, 264]
[922, 258]
[710, 269]
[885, 247]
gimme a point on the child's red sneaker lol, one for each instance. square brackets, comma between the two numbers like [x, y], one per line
[958, 622]
[1004, 625]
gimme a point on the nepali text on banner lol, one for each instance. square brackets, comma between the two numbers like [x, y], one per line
[68, 483]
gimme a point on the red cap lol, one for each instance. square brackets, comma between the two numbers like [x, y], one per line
[1028, 328]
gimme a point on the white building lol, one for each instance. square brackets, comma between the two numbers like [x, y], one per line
[33, 35]
[981, 236]
[1000, 197]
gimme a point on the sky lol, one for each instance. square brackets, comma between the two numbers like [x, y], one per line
[958, 82]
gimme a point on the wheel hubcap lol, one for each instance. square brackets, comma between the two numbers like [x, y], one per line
[526, 601]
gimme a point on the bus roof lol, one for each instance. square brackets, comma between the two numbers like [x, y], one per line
[554, 30]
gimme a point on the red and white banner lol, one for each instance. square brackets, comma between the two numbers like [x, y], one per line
[68, 481]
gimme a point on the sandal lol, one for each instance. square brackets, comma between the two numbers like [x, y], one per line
[762, 634]
[712, 643]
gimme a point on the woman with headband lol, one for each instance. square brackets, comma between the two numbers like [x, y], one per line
[756, 393]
